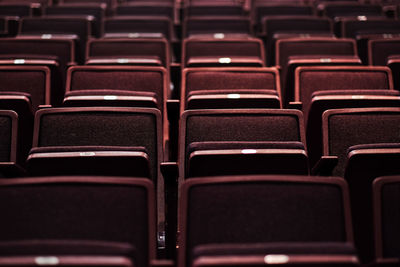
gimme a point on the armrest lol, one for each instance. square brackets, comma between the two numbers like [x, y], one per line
[44, 106]
[173, 109]
[325, 165]
[296, 105]
[170, 172]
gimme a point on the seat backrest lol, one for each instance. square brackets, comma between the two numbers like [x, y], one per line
[143, 8]
[17, 9]
[343, 9]
[238, 125]
[9, 133]
[343, 128]
[311, 79]
[216, 24]
[63, 49]
[126, 127]
[353, 27]
[386, 218]
[262, 209]
[120, 48]
[312, 46]
[228, 78]
[129, 78]
[45, 210]
[136, 25]
[224, 48]
[34, 80]
[273, 9]
[380, 49]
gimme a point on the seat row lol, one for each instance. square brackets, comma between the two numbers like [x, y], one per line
[358, 144]
[225, 221]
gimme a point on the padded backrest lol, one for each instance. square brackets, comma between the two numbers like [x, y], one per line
[262, 209]
[386, 212]
[380, 49]
[241, 125]
[101, 127]
[8, 133]
[81, 209]
[352, 27]
[279, 9]
[34, 80]
[140, 24]
[300, 24]
[98, 11]
[222, 48]
[311, 79]
[63, 49]
[19, 9]
[229, 78]
[343, 9]
[343, 128]
[214, 9]
[216, 24]
[57, 25]
[130, 78]
[312, 46]
[142, 8]
[129, 48]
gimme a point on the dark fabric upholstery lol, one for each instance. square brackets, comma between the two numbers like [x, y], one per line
[259, 212]
[272, 10]
[25, 80]
[6, 134]
[352, 129]
[128, 47]
[145, 24]
[82, 211]
[241, 127]
[210, 80]
[86, 148]
[381, 49]
[390, 220]
[97, 128]
[216, 24]
[324, 79]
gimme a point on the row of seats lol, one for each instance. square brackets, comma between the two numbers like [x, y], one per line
[358, 144]
[226, 221]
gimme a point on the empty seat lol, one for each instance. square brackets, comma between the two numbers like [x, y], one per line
[230, 88]
[8, 146]
[278, 27]
[56, 141]
[138, 27]
[16, 9]
[364, 30]
[241, 141]
[218, 26]
[343, 128]
[143, 8]
[213, 9]
[73, 27]
[364, 164]
[385, 195]
[153, 52]
[379, 50]
[336, 10]
[310, 79]
[110, 4]
[254, 220]
[321, 88]
[291, 53]
[57, 54]
[97, 10]
[116, 218]
[223, 53]
[268, 9]
[118, 86]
